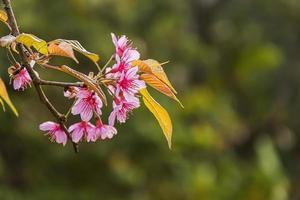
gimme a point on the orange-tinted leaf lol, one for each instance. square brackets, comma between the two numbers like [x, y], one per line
[62, 49]
[153, 67]
[143, 67]
[30, 40]
[78, 47]
[160, 114]
[157, 84]
[5, 97]
[159, 72]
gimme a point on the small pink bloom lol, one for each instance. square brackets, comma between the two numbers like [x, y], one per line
[121, 109]
[82, 130]
[129, 82]
[124, 50]
[55, 132]
[120, 66]
[86, 104]
[21, 79]
[121, 44]
[103, 131]
[124, 63]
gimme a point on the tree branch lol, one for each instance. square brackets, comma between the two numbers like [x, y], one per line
[35, 79]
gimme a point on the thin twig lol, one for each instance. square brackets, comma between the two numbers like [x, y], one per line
[49, 66]
[36, 80]
[107, 63]
[61, 84]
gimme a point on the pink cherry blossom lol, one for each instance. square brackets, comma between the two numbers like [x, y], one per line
[119, 67]
[124, 50]
[121, 44]
[82, 130]
[124, 63]
[121, 109]
[86, 104]
[129, 83]
[21, 80]
[104, 131]
[55, 132]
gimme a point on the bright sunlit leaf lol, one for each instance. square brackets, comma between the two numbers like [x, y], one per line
[4, 96]
[143, 67]
[160, 114]
[157, 84]
[154, 67]
[153, 74]
[159, 72]
[30, 40]
[62, 49]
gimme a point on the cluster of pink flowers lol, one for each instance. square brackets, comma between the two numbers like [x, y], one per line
[124, 87]
[127, 84]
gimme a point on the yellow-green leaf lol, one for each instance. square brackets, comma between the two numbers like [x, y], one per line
[5, 97]
[30, 40]
[3, 16]
[160, 114]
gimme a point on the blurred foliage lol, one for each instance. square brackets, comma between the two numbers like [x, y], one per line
[236, 67]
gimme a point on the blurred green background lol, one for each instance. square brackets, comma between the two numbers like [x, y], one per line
[236, 66]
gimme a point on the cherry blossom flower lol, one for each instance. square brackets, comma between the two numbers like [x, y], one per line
[124, 48]
[121, 109]
[124, 63]
[121, 44]
[82, 130]
[129, 82]
[104, 131]
[86, 104]
[21, 80]
[119, 67]
[55, 132]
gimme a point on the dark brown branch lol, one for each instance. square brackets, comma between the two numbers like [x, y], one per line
[36, 80]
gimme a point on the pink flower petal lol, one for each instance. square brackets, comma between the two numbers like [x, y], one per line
[77, 135]
[48, 126]
[61, 137]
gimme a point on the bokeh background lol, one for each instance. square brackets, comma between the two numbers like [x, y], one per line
[236, 66]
